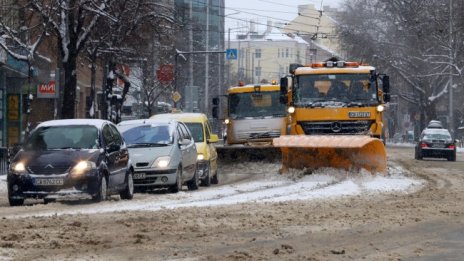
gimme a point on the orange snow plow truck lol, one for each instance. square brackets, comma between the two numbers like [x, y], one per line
[334, 116]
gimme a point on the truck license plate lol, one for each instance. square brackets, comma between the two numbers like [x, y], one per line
[139, 175]
[49, 182]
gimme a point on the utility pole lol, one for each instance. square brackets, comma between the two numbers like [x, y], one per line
[450, 88]
[207, 59]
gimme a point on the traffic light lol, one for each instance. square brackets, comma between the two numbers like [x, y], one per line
[215, 109]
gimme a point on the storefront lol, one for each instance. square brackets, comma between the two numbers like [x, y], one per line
[15, 87]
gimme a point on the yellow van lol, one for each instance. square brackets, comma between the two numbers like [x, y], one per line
[201, 131]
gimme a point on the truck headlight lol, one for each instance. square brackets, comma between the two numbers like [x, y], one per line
[226, 121]
[380, 108]
[82, 167]
[200, 157]
[161, 162]
[19, 168]
[291, 109]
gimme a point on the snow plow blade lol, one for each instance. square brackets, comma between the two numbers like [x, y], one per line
[343, 152]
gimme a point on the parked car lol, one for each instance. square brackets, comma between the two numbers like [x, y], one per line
[77, 156]
[436, 143]
[163, 154]
[198, 123]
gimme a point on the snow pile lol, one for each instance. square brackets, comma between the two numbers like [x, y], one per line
[267, 185]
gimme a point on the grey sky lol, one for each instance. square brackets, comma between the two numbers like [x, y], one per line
[263, 10]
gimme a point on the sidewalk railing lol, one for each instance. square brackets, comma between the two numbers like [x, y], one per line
[4, 160]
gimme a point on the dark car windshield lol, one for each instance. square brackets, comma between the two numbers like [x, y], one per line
[146, 135]
[197, 131]
[63, 137]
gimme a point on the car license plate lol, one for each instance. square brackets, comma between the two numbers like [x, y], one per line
[438, 145]
[49, 182]
[139, 175]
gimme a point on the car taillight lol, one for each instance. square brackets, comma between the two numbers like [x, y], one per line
[452, 146]
[423, 145]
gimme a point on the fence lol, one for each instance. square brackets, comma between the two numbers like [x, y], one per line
[4, 160]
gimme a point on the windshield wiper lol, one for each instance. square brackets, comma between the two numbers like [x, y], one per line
[147, 145]
[68, 148]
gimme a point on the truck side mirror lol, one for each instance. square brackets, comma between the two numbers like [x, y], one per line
[284, 90]
[386, 83]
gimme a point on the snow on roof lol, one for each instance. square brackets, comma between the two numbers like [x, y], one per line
[144, 121]
[191, 116]
[67, 122]
[325, 48]
[274, 35]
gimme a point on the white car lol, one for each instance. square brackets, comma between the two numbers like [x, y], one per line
[162, 152]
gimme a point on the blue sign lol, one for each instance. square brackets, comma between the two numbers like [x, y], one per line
[231, 54]
[18, 65]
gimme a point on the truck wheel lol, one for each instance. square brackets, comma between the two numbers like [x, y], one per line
[452, 157]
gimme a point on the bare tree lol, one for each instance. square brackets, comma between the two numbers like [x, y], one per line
[410, 39]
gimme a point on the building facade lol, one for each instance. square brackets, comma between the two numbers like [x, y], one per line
[264, 54]
[318, 28]
[199, 65]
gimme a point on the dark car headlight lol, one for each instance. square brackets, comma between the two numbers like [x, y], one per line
[18, 168]
[82, 167]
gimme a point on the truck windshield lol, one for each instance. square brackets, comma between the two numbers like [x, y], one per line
[255, 104]
[346, 88]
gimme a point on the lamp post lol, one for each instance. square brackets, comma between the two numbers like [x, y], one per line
[228, 47]
[451, 116]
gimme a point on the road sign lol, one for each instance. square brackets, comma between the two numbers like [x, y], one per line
[231, 54]
[176, 96]
[165, 74]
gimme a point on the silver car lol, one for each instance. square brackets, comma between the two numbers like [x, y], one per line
[162, 152]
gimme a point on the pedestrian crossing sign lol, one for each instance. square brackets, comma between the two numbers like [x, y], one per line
[231, 54]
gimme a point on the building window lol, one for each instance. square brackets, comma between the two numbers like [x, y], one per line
[258, 53]
[258, 71]
[286, 53]
[278, 53]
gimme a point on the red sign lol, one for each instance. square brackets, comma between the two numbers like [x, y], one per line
[165, 74]
[124, 69]
[47, 88]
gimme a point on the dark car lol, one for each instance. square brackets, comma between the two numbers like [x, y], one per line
[67, 157]
[436, 143]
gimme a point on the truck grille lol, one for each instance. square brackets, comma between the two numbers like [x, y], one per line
[336, 127]
[258, 135]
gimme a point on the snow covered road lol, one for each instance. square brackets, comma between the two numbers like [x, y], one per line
[263, 184]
